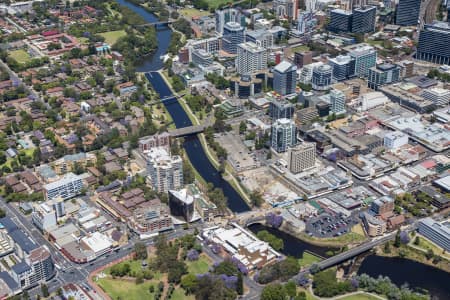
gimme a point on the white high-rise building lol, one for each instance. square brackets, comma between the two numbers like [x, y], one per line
[70, 185]
[337, 101]
[165, 171]
[44, 217]
[311, 5]
[302, 157]
[284, 135]
[286, 9]
[250, 58]
[439, 96]
[393, 140]
[365, 58]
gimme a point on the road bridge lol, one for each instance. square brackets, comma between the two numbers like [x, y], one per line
[194, 129]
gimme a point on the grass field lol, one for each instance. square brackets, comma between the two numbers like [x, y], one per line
[121, 289]
[300, 48]
[178, 294]
[359, 297]
[308, 259]
[21, 56]
[358, 229]
[216, 3]
[308, 294]
[192, 12]
[112, 36]
[200, 266]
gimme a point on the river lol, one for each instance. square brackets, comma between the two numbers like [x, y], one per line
[399, 270]
[192, 145]
[292, 245]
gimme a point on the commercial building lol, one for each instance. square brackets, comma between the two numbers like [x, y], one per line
[374, 226]
[394, 140]
[285, 78]
[433, 43]
[260, 37]
[382, 74]
[321, 77]
[242, 245]
[364, 19]
[302, 58]
[233, 35]
[438, 233]
[251, 58]
[286, 9]
[228, 15]
[245, 86]
[302, 157]
[307, 71]
[371, 100]
[340, 20]
[157, 140]
[439, 96]
[407, 13]
[307, 114]
[96, 242]
[382, 205]
[165, 171]
[44, 217]
[365, 58]
[201, 57]
[343, 67]
[281, 108]
[337, 101]
[150, 219]
[181, 205]
[284, 135]
[70, 185]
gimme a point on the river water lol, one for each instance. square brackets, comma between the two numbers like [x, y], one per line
[398, 269]
[192, 145]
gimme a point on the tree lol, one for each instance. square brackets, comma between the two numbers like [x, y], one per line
[417, 241]
[44, 290]
[273, 291]
[242, 127]
[189, 283]
[2, 213]
[240, 284]
[290, 288]
[256, 199]
[397, 241]
[141, 250]
[387, 248]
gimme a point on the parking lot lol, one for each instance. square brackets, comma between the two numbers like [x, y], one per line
[327, 225]
[238, 154]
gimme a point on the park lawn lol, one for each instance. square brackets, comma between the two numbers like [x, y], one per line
[178, 294]
[216, 3]
[21, 56]
[309, 296]
[308, 259]
[121, 289]
[199, 266]
[112, 36]
[193, 12]
[428, 245]
[360, 297]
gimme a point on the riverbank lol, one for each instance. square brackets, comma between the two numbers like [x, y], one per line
[348, 239]
[412, 253]
[228, 176]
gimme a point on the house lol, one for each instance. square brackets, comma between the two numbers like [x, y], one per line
[126, 88]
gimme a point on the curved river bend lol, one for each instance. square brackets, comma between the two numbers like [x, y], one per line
[192, 145]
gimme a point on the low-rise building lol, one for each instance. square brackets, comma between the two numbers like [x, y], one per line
[438, 233]
[69, 186]
[242, 245]
[373, 225]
